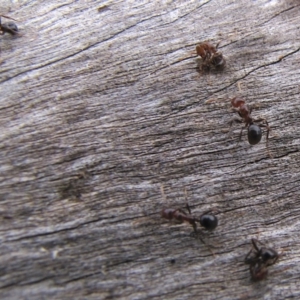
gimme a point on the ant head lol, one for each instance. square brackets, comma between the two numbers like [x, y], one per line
[209, 221]
[254, 134]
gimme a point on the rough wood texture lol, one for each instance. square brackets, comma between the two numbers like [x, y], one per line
[102, 106]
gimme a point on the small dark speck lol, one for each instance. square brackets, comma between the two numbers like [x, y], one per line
[102, 8]
[173, 261]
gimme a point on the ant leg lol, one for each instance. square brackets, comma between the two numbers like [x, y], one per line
[240, 138]
[204, 66]
[7, 18]
[263, 125]
[189, 55]
[194, 226]
[163, 192]
[188, 208]
[196, 234]
[193, 223]
[187, 204]
[254, 243]
[235, 120]
[250, 109]
[211, 211]
[266, 125]
[275, 260]
[247, 259]
[181, 211]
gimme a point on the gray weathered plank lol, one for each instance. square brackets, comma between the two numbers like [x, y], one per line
[102, 106]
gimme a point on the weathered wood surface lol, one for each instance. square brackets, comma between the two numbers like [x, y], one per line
[102, 106]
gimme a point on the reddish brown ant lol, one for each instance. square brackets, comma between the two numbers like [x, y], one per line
[259, 260]
[254, 130]
[210, 57]
[8, 27]
[208, 220]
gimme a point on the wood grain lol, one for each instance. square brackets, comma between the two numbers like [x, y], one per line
[102, 106]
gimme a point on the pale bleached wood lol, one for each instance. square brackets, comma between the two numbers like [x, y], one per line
[102, 106]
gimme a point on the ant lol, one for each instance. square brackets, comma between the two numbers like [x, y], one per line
[254, 130]
[210, 57]
[260, 260]
[8, 27]
[207, 220]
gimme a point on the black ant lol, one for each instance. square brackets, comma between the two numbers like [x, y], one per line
[8, 27]
[208, 220]
[210, 57]
[259, 260]
[254, 130]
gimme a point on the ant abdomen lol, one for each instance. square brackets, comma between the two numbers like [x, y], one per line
[209, 221]
[269, 256]
[254, 134]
